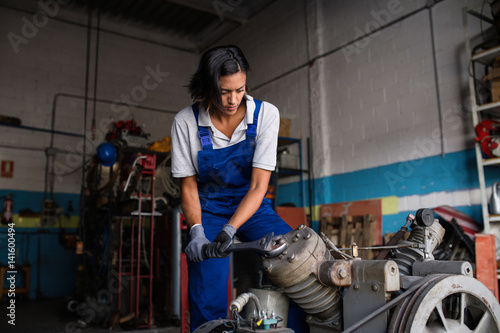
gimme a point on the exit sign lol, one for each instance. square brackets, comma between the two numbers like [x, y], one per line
[7, 169]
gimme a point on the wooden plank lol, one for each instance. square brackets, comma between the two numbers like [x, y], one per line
[357, 208]
[343, 231]
[368, 220]
[330, 226]
[367, 230]
[348, 235]
[486, 264]
[357, 223]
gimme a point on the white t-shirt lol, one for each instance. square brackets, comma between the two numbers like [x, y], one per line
[186, 143]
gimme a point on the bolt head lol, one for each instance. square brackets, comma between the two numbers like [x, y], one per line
[292, 257]
[356, 286]
[300, 227]
[307, 236]
[342, 273]
[375, 287]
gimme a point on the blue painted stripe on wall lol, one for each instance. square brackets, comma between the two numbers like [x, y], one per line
[454, 171]
[33, 200]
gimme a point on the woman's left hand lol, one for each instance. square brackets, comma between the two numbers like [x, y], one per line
[225, 237]
[217, 249]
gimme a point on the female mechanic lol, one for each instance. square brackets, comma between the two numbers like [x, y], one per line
[223, 151]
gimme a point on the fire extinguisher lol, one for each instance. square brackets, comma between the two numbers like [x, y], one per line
[8, 210]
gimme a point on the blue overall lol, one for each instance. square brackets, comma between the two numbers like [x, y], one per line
[224, 179]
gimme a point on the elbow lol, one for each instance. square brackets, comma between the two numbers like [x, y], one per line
[258, 189]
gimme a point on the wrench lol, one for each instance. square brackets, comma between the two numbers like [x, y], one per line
[268, 246]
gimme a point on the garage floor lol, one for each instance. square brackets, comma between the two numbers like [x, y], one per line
[51, 316]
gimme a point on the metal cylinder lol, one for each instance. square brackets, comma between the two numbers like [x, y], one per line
[176, 262]
[270, 300]
[296, 271]
[405, 257]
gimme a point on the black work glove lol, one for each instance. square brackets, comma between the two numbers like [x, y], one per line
[217, 249]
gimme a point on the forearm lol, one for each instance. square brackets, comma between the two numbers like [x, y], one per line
[253, 199]
[248, 206]
[190, 201]
[192, 212]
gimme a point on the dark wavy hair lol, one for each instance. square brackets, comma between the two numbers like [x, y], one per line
[204, 85]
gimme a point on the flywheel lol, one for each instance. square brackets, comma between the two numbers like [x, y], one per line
[448, 303]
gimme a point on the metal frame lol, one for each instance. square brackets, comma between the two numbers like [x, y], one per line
[485, 57]
[149, 170]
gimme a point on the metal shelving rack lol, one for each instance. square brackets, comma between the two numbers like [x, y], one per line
[133, 268]
[481, 112]
[287, 172]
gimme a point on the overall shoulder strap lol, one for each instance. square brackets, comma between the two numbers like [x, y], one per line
[203, 132]
[252, 128]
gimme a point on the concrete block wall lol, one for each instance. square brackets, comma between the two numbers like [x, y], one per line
[364, 73]
[273, 42]
[52, 62]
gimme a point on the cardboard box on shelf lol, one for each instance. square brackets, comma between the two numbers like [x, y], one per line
[284, 130]
[494, 77]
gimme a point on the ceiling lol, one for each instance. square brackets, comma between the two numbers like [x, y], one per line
[198, 23]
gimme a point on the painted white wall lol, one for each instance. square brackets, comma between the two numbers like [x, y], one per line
[52, 61]
[367, 102]
[363, 103]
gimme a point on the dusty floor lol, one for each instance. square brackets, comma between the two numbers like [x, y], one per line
[51, 316]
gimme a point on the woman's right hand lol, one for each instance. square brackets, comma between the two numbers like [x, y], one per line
[194, 249]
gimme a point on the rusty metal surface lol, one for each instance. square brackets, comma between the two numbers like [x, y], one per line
[384, 272]
[302, 258]
[336, 273]
[296, 270]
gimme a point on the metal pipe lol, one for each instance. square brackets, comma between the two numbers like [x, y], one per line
[381, 247]
[101, 100]
[324, 55]
[436, 79]
[176, 262]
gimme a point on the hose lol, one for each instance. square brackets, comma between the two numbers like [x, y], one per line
[239, 303]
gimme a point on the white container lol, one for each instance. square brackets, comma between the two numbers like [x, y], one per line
[288, 161]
